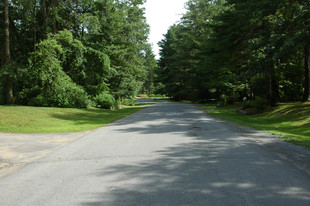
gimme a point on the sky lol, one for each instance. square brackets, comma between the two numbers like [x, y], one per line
[160, 15]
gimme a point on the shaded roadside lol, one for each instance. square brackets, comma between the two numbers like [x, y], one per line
[298, 156]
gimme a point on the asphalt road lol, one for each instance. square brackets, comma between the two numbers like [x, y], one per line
[167, 154]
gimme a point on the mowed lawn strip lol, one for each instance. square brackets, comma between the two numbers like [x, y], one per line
[289, 120]
[24, 119]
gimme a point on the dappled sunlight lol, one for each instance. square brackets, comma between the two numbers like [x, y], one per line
[294, 192]
[195, 173]
[287, 119]
[212, 164]
[231, 184]
[294, 109]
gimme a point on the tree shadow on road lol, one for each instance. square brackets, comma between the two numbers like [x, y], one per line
[210, 169]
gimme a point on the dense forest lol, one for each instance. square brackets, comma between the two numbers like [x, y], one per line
[226, 50]
[75, 53]
[72, 53]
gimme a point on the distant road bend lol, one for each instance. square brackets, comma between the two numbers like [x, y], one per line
[167, 154]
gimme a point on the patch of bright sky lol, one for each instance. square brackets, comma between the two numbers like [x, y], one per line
[160, 15]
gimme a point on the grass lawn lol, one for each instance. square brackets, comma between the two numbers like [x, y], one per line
[138, 105]
[290, 120]
[23, 119]
[206, 106]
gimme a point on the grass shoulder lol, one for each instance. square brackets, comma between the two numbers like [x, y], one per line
[290, 121]
[25, 119]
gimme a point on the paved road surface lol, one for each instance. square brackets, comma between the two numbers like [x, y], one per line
[19, 149]
[168, 154]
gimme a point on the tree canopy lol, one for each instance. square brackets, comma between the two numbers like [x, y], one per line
[73, 52]
[65, 53]
[230, 49]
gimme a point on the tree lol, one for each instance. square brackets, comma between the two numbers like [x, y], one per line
[7, 62]
[185, 64]
[103, 49]
[234, 48]
[306, 68]
[151, 65]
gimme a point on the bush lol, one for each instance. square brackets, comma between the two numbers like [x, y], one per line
[46, 83]
[104, 100]
[62, 93]
[259, 104]
[38, 101]
[117, 104]
[129, 102]
[157, 95]
[230, 100]
[69, 94]
[222, 101]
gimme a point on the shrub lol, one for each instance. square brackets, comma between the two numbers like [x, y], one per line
[230, 100]
[62, 93]
[104, 100]
[38, 101]
[45, 81]
[222, 101]
[69, 94]
[129, 102]
[117, 104]
[259, 104]
[157, 95]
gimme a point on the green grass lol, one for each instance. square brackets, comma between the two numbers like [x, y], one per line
[213, 106]
[206, 106]
[163, 100]
[22, 119]
[289, 120]
[137, 105]
[143, 104]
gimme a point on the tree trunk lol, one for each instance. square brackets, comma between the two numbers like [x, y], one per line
[7, 32]
[44, 18]
[272, 93]
[35, 29]
[54, 4]
[9, 89]
[306, 68]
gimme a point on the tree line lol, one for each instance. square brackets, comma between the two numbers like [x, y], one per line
[230, 49]
[73, 53]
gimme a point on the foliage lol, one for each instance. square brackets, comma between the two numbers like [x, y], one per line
[104, 100]
[129, 102]
[259, 104]
[89, 47]
[227, 50]
[46, 84]
[157, 95]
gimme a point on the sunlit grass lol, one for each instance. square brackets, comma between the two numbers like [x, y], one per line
[290, 120]
[22, 119]
[143, 104]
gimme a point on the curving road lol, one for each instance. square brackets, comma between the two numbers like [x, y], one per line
[167, 154]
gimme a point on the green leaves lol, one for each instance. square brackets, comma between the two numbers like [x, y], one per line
[222, 45]
[185, 63]
[48, 84]
[104, 100]
[92, 46]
